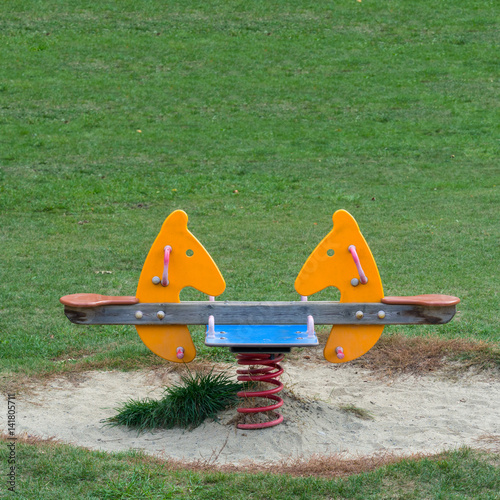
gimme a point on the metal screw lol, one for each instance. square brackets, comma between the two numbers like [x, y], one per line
[381, 314]
[359, 314]
[355, 282]
[156, 280]
[138, 314]
[160, 314]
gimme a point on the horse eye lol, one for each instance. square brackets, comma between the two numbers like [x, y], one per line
[189, 253]
[330, 252]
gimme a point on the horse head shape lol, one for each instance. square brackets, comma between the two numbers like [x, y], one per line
[334, 263]
[176, 260]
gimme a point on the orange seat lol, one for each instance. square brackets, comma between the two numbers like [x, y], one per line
[96, 300]
[431, 300]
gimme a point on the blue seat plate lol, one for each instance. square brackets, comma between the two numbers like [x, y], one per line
[261, 335]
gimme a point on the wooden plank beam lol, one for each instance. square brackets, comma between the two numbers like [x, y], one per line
[260, 313]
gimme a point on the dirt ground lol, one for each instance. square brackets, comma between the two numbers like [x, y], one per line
[402, 414]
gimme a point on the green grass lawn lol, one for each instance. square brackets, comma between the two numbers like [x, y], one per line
[59, 471]
[259, 119]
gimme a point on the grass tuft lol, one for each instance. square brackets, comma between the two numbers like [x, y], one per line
[200, 396]
[356, 411]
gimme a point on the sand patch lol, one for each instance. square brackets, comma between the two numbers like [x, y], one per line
[409, 414]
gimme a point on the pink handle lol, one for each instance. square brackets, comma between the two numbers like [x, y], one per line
[180, 352]
[362, 275]
[310, 326]
[166, 260]
[339, 351]
[211, 327]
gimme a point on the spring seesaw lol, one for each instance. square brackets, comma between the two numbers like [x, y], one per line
[259, 333]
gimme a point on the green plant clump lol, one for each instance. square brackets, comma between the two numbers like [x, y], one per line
[200, 396]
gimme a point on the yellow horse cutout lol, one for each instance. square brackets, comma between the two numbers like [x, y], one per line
[332, 263]
[189, 265]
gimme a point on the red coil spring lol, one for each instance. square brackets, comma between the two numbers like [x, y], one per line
[268, 373]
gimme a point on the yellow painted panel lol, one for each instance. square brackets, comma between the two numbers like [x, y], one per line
[354, 340]
[165, 340]
[189, 265]
[332, 264]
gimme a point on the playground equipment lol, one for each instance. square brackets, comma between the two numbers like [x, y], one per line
[259, 333]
